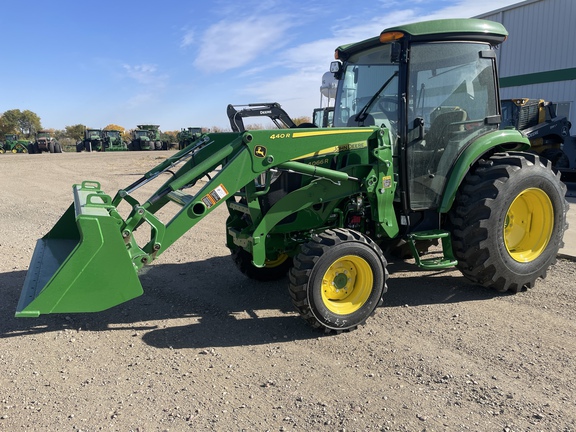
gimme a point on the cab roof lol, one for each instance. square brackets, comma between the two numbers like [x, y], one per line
[466, 29]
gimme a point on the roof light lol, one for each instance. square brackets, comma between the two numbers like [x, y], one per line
[391, 36]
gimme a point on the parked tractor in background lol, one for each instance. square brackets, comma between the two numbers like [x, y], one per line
[546, 131]
[13, 143]
[92, 141]
[112, 140]
[549, 133]
[187, 136]
[44, 142]
[146, 137]
[323, 117]
[415, 155]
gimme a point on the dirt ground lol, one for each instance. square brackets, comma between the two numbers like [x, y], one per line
[205, 348]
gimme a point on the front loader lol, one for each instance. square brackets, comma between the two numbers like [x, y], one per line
[415, 156]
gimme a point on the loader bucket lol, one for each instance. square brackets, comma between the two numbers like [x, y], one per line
[82, 264]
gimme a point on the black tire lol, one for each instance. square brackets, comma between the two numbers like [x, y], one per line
[57, 148]
[88, 146]
[558, 158]
[79, 147]
[51, 147]
[338, 280]
[508, 220]
[31, 149]
[273, 270]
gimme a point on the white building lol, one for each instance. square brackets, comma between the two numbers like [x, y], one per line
[538, 60]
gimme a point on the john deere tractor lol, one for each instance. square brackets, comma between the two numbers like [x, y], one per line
[92, 141]
[415, 156]
[112, 140]
[146, 137]
[187, 136]
[13, 143]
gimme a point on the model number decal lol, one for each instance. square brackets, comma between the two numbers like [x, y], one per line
[279, 136]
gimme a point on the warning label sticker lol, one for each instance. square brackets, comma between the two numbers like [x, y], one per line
[387, 182]
[214, 196]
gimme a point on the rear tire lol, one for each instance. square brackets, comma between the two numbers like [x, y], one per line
[273, 270]
[508, 221]
[338, 280]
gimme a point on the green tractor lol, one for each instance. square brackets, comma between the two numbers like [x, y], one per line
[44, 142]
[146, 137]
[415, 156]
[13, 144]
[112, 140]
[187, 136]
[93, 141]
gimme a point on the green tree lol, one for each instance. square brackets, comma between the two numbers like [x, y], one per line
[300, 120]
[26, 123]
[170, 136]
[75, 132]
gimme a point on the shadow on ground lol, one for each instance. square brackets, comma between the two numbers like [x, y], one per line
[224, 308]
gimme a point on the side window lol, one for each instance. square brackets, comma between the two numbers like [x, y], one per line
[452, 91]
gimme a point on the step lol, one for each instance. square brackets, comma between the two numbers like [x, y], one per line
[446, 261]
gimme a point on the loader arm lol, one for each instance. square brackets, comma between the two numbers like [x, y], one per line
[272, 110]
[90, 260]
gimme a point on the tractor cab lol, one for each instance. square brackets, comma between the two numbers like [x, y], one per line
[435, 96]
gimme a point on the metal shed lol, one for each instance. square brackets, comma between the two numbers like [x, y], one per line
[538, 60]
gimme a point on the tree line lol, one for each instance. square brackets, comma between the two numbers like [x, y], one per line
[27, 123]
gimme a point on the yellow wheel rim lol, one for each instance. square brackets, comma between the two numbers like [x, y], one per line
[277, 262]
[529, 224]
[347, 284]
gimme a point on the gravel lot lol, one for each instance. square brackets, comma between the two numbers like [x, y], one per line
[205, 348]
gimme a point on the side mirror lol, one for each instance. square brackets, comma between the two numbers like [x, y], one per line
[336, 69]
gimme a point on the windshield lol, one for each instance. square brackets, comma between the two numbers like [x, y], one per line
[369, 87]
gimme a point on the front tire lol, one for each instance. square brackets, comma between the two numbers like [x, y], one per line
[338, 280]
[508, 221]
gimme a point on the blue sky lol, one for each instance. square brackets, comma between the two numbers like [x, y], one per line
[180, 63]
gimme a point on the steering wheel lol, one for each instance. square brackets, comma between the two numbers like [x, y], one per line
[389, 106]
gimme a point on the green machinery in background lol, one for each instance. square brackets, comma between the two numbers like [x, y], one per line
[112, 140]
[187, 136]
[92, 141]
[13, 144]
[415, 156]
[147, 137]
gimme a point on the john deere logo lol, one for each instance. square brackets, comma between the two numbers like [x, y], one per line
[260, 151]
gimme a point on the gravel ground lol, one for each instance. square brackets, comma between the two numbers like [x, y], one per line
[205, 348]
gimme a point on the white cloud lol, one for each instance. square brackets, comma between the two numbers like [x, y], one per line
[298, 89]
[230, 44]
[188, 38]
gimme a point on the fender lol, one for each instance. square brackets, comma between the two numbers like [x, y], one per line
[503, 140]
